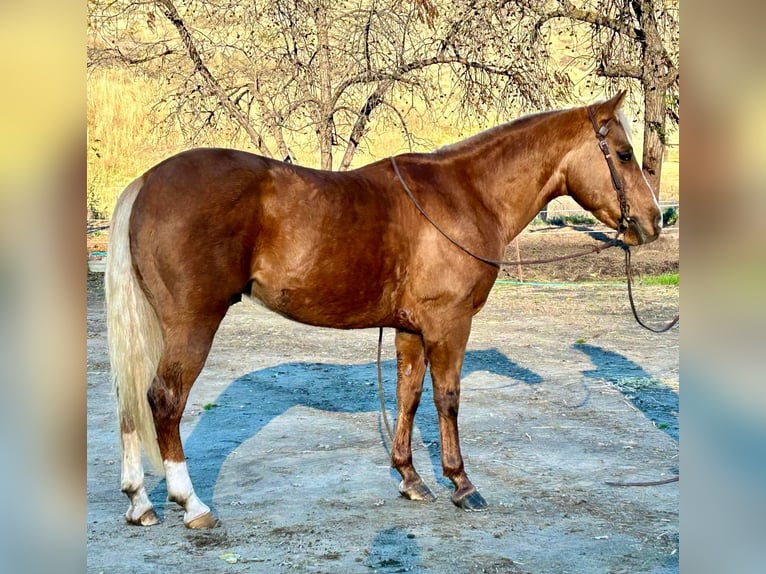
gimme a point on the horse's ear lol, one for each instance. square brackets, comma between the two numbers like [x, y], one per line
[618, 99]
[608, 109]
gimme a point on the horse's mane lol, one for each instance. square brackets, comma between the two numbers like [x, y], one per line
[491, 133]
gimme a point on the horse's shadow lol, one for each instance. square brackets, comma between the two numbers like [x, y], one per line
[265, 394]
[658, 402]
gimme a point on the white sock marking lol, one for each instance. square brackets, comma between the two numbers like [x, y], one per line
[180, 489]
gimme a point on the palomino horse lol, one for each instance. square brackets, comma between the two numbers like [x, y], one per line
[346, 250]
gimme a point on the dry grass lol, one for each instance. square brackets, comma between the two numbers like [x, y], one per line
[670, 185]
[127, 134]
[123, 135]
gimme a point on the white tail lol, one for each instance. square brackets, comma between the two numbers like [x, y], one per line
[133, 331]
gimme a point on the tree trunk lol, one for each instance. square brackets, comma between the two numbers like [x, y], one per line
[360, 125]
[656, 77]
[325, 123]
[654, 128]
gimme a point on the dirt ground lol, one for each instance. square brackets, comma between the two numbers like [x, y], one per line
[562, 392]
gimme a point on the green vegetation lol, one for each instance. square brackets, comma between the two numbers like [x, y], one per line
[663, 279]
[670, 216]
[575, 219]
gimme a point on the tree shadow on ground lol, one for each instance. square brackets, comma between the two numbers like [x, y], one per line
[657, 401]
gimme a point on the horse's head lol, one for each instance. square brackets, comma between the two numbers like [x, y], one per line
[602, 168]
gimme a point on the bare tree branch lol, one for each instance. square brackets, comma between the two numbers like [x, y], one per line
[362, 119]
[568, 11]
[171, 13]
[619, 70]
[398, 73]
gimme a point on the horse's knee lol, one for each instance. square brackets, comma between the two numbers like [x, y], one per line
[410, 360]
[447, 402]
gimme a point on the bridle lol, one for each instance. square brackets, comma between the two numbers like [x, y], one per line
[601, 133]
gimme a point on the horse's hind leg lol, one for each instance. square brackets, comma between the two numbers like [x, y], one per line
[186, 348]
[141, 511]
[410, 370]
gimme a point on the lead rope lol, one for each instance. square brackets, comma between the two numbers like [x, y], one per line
[663, 329]
[383, 413]
[495, 262]
[629, 273]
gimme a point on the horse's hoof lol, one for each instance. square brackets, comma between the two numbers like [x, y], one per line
[417, 491]
[206, 520]
[148, 518]
[471, 502]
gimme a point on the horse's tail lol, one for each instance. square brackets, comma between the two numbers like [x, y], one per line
[133, 331]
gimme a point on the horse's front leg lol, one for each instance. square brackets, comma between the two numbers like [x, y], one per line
[410, 370]
[446, 353]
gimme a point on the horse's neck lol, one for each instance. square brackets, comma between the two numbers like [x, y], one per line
[517, 167]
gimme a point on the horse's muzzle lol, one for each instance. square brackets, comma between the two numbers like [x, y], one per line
[636, 234]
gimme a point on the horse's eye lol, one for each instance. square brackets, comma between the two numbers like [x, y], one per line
[625, 154]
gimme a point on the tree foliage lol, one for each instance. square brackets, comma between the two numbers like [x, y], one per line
[329, 69]
[333, 70]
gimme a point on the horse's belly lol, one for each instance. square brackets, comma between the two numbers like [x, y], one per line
[330, 304]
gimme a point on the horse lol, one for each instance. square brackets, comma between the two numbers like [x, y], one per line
[200, 230]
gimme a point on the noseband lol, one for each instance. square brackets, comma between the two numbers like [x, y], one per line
[601, 133]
